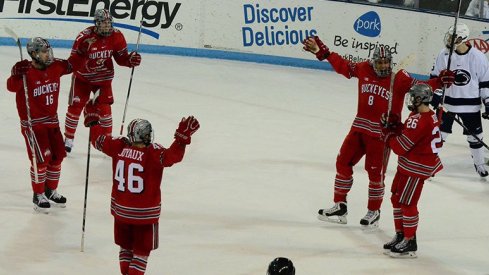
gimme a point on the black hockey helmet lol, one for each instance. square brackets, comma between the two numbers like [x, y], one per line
[281, 266]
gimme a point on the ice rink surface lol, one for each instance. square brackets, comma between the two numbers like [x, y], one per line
[249, 187]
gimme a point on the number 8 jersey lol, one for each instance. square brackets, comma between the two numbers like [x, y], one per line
[137, 175]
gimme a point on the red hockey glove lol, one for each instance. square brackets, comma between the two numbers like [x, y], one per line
[391, 126]
[447, 78]
[21, 67]
[314, 45]
[391, 120]
[91, 114]
[134, 59]
[186, 128]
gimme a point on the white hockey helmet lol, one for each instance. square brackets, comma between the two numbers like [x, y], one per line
[35, 46]
[104, 22]
[140, 131]
[382, 54]
[461, 35]
[420, 93]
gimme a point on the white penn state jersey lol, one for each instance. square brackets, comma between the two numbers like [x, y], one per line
[471, 80]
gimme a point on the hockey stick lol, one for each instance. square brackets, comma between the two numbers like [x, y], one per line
[130, 79]
[86, 191]
[28, 109]
[449, 62]
[96, 94]
[399, 66]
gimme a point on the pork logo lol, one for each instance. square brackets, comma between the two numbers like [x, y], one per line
[368, 24]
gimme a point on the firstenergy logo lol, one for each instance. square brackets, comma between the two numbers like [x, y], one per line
[155, 14]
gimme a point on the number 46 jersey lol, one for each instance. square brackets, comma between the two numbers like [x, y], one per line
[417, 146]
[137, 173]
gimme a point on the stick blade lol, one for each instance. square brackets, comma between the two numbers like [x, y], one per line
[406, 61]
[10, 32]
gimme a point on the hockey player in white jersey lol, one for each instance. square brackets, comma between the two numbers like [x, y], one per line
[464, 97]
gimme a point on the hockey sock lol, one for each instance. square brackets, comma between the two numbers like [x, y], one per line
[410, 219]
[342, 186]
[476, 149]
[105, 118]
[375, 195]
[71, 121]
[38, 187]
[125, 258]
[396, 206]
[138, 265]
[53, 174]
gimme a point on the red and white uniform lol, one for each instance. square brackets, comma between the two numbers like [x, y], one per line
[43, 87]
[136, 194]
[93, 72]
[417, 147]
[364, 136]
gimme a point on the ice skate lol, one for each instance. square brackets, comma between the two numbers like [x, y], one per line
[335, 214]
[41, 203]
[68, 144]
[397, 239]
[481, 170]
[371, 219]
[405, 249]
[57, 199]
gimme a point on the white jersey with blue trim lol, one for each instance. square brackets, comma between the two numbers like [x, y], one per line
[471, 80]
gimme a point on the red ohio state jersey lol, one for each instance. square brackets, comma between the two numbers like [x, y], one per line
[43, 88]
[373, 92]
[97, 52]
[137, 175]
[417, 146]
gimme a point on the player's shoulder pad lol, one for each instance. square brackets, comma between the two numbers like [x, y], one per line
[404, 72]
[157, 146]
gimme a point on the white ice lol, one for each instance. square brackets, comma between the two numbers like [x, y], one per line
[250, 184]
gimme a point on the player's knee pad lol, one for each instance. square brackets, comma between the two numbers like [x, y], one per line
[409, 210]
[374, 174]
[343, 169]
[104, 110]
[395, 200]
[473, 142]
[74, 111]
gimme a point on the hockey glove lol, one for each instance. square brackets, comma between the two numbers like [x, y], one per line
[91, 114]
[314, 45]
[391, 126]
[390, 121]
[186, 128]
[134, 59]
[21, 67]
[436, 100]
[447, 78]
[485, 115]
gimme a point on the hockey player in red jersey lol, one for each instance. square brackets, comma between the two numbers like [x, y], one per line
[416, 142]
[137, 165]
[374, 81]
[42, 77]
[96, 45]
